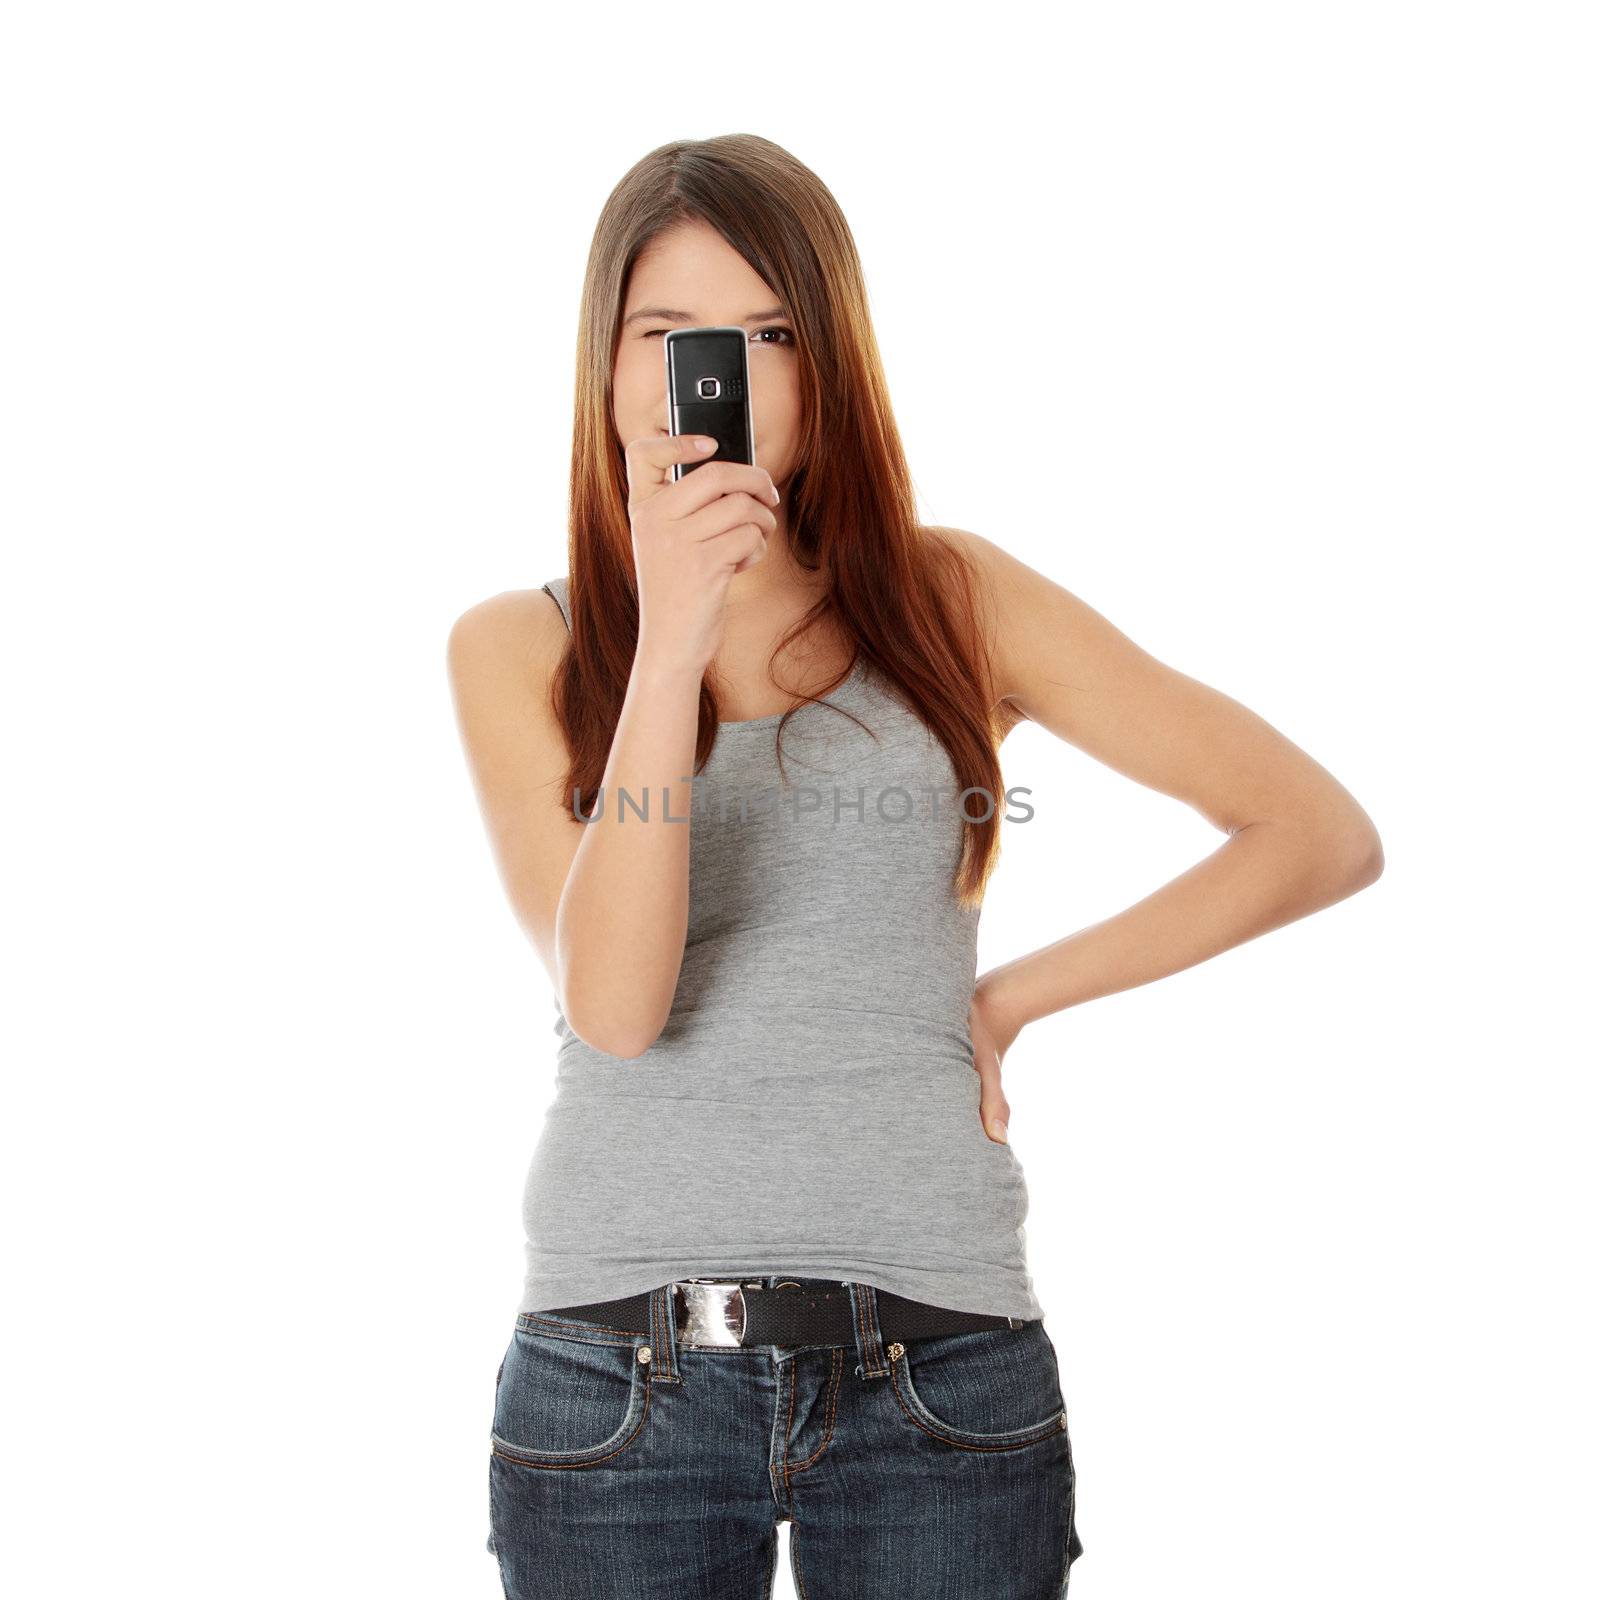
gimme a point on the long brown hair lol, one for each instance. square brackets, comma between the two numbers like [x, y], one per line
[905, 592]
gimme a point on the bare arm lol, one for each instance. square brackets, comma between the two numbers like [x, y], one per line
[1297, 840]
[605, 905]
[606, 902]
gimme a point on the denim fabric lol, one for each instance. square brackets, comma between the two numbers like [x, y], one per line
[939, 1468]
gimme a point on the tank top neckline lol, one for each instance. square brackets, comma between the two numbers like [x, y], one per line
[850, 682]
[848, 687]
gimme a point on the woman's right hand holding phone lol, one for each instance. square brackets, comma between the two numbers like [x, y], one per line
[690, 538]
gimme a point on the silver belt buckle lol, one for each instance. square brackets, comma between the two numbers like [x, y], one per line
[710, 1310]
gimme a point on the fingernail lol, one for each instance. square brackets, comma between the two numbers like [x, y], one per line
[705, 444]
[998, 1129]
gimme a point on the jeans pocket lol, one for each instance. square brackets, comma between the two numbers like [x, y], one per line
[995, 1389]
[568, 1394]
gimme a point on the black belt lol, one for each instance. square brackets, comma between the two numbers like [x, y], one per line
[729, 1312]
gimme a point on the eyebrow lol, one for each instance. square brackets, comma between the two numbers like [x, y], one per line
[777, 313]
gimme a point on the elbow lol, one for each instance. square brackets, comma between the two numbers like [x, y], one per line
[609, 1030]
[613, 1001]
[1372, 868]
[1358, 858]
[1327, 862]
[625, 1047]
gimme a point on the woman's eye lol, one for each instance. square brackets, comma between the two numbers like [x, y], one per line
[788, 333]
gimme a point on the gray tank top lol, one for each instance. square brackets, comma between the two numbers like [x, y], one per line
[810, 1107]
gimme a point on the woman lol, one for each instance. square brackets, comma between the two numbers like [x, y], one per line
[739, 768]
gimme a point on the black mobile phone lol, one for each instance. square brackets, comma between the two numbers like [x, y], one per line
[708, 391]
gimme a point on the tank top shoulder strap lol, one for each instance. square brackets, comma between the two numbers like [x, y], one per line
[556, 588]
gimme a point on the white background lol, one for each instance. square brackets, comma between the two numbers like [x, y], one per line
[1294, 324]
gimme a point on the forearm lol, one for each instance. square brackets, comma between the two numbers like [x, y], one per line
[1262, 877]
[623, 917]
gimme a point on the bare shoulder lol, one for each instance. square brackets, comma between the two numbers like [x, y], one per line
[515, 637]
[1002, 587]
[1004, 582]
[502, 658]
[1035, 626]
[503, 655]
[514, 619]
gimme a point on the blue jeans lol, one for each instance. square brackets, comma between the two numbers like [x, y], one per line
[939, 1468]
